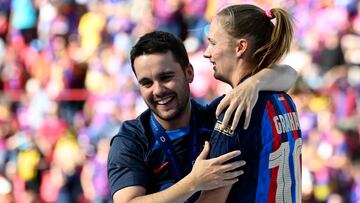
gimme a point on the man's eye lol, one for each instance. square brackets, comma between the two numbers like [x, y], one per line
[146, 84]
[166, 78]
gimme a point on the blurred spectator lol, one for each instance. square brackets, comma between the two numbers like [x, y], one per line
[90, 28]
[69, 159]
[96, 188]
[194, 14]
[331, 54]
[24, 18]
[4, 19]
[169, 16]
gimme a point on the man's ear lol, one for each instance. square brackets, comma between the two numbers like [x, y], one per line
[189, 73]
[241, 46]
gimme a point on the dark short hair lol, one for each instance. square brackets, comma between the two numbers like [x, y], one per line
[160, 42]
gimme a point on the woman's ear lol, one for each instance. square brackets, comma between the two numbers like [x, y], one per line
[241, 46]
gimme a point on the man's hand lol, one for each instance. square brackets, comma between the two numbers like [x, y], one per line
[208, 174]
[242, 97]
[205, 175]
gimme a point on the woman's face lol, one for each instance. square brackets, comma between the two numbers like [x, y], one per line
[221, 51]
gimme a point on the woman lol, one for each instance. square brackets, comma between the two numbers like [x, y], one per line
[243, 41]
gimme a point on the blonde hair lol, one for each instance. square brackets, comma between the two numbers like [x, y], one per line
[268, 42]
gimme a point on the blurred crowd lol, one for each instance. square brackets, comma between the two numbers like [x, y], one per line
[66, 85]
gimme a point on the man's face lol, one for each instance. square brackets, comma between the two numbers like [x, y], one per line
[220, 52]
[164, 85]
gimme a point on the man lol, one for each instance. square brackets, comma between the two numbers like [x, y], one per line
[155, 158]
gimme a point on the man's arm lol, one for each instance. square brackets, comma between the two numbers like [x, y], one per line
[278, 78]
[245, 95]
[218, 195]
[205, 175]
[179, 192]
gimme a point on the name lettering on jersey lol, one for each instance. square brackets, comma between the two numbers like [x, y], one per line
[286, 122]
[226, 131]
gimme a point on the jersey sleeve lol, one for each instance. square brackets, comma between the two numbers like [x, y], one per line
[225, 140]
[126, 166]
[211, 107]
[248, 142]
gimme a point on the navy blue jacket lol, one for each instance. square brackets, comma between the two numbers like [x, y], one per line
[136, 160]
